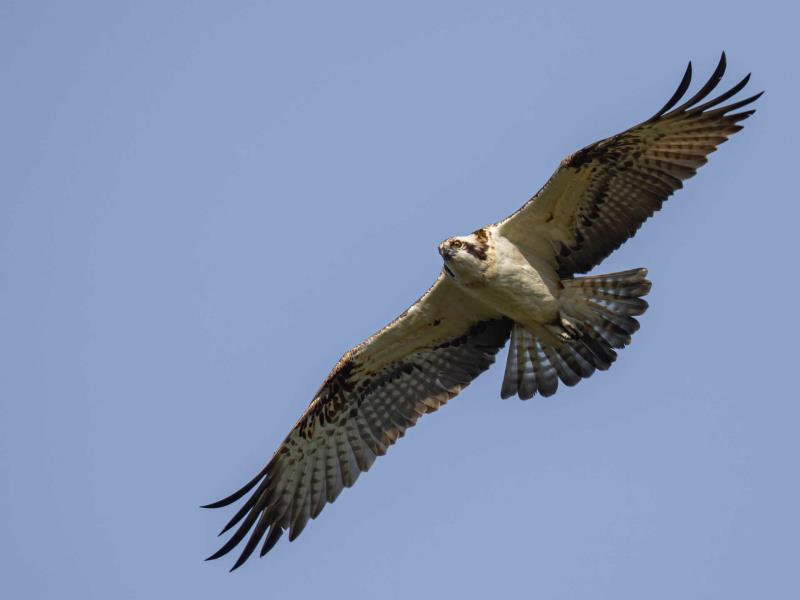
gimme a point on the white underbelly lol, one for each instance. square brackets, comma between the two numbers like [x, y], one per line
[521, 288]
[524, 297]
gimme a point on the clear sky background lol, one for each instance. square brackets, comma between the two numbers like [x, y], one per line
[204, 204]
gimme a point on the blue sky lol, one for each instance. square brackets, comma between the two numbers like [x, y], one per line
[205, 204]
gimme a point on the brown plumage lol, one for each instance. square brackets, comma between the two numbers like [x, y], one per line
[562, 328]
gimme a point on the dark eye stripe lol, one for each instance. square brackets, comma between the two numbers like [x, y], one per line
[479, 253]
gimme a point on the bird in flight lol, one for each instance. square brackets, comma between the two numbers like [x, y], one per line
[513, 279]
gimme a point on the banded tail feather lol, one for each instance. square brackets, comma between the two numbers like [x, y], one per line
[597, 317]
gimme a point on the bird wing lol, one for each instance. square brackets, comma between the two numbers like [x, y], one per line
[600, 196]
[375, 392]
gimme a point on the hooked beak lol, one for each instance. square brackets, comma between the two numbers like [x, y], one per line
[446, 252]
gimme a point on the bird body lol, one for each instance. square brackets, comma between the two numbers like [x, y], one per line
[514, 281]
[495, 271]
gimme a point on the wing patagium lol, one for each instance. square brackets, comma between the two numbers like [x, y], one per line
[600, 195]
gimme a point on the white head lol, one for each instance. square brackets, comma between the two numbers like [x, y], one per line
[466, 257]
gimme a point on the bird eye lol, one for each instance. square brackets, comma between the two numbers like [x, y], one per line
[457, 244]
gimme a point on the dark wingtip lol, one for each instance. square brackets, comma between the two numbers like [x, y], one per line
[275, 533]
[723, 97]
[719, 71]
[238, 564]
[240, 514]
[218, 554]
[241, 491]
[236, 537]
[743, 115]
[708, 87]
[240, 561]
[228, 526]
[227, 500]
[691, 105]
[682, 87]
[737, 105]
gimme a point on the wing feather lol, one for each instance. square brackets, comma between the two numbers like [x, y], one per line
[333, 472]
[600, 196]
[373, 395]
[319, 482]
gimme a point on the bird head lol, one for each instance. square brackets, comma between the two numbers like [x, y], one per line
[465, 255]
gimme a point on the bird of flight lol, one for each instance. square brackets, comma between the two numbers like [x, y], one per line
[513, 279]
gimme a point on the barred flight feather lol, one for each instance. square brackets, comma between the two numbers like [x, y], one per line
[357, 414]
[600, 196]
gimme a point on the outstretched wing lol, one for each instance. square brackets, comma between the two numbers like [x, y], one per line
[376, 391]
[600, 196]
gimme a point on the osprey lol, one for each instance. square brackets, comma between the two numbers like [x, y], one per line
[514, 279]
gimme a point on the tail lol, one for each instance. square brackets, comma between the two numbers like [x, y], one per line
[597, 316]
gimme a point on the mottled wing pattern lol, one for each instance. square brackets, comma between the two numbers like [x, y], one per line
[376, 391]
[600, 196]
